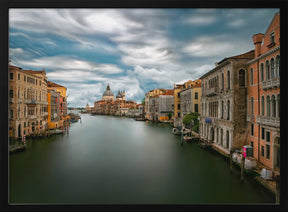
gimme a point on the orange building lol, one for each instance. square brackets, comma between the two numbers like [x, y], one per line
[264, 96]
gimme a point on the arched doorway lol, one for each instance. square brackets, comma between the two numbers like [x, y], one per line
[277, 153]
[241, 77]
[19, 131]
[212, 134]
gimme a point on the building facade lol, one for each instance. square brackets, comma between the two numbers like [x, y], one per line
[27, 102]
[263, 97]
[224, 103]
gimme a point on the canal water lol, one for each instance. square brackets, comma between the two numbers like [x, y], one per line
[115, 160]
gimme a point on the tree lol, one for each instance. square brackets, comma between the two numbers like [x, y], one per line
[169, 115]
[192, 116]
[143, 101]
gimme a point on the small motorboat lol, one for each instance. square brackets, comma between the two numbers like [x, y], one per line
[176, 131]
[187, 138]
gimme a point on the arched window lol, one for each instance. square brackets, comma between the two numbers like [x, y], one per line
[251, 76]
[278, 105]
[222, 109]
[273, 75]
[227, 139]
[278, 66]
[262, 105]
[228, 80]
[252, 106]
[221, 136]
[267, 67]
[222, 81]
[273, 105]
[262, 72]
[241, 77]
[228, 110]
[268, 106]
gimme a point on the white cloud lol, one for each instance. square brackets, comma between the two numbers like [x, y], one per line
[69, 63]
[198, 20]
[208, 47]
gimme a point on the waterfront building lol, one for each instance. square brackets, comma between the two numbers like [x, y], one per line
[148, 99]
[27, 102]
[89, 109]
[189, 99]
[186, 100]
[263, 108]
[177, 105]
[161, 105]
[224, 103]
[63, 98]
[54, 112]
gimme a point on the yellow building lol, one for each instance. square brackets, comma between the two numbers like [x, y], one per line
[63, 98]
[27, 102]
[54, 119]
[187, 97]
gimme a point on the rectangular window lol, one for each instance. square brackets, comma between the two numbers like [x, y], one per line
[24, 78]
[251, 76]
[11, 93]
[268, 136]
[263, 133]
[196, 95]
[252, 129]
[18, 76]
[267, 151]
[272, 37]
[178, 95]
[11, 76]
[196, 108]
[178, 114]
[178, 106]
[252, 144]
[262, 151]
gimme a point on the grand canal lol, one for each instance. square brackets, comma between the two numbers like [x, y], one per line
[114, 160]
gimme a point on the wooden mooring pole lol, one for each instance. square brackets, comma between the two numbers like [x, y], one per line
[231, 161]
[242, 169]
[278, 189]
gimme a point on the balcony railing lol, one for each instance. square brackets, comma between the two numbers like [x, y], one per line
[250, 117]
[211, 91]
[30, 102]
[11, 100]
[275, 82]
[271, 121]
[32, 116]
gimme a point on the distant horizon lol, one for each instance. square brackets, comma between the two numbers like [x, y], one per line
[136, 50]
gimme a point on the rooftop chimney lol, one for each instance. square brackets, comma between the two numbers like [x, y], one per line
[257, 39]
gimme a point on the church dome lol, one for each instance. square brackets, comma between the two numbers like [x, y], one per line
[119, 95]
[108, 92]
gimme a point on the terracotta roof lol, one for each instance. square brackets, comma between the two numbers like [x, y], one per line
[247, 55]
[53, 84]
[168, 92]
[196, 85]
[34, 72]
[11, 67]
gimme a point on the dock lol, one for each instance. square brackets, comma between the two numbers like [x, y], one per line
[16, 148]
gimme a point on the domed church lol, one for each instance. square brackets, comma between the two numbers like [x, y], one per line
[108, 94]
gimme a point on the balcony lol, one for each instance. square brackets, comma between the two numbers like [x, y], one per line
[275, 82]
[250, 118]
[270, 121]
[211, 91]
[11, 100]
[32, 116]
[30, 102]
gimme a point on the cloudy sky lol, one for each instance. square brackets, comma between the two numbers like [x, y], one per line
[135, 50]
